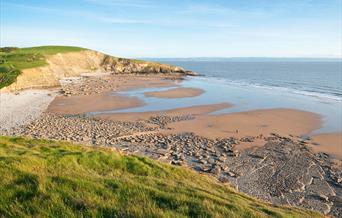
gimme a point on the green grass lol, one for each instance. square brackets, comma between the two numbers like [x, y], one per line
[149, 63]
[41, 178]
[8, 76]
[13, 60]
[50, 50]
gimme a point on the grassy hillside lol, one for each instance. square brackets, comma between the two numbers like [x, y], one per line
[56, 179]
[13, 60]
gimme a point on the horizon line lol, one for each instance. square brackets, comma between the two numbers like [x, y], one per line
[241, 57]
[195, 57]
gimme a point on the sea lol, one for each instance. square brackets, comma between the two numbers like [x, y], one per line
[308, 77]
[253, 84]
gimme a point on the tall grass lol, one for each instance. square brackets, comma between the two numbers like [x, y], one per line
[41, 178]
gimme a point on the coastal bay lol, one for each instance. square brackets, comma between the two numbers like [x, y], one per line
[127, 108]
[196, 122]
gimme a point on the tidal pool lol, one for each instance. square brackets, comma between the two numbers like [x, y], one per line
[244, 98]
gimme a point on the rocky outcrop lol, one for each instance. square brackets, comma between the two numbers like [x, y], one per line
[127, 66]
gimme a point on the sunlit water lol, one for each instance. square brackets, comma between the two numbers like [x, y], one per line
[243, 98]
[309, 86]
[316, 77]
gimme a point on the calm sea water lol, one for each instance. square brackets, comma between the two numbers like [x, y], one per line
[308, 86]
[322, 78]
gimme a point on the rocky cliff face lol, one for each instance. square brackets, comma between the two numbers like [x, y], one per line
[126, 66]
[73, 64]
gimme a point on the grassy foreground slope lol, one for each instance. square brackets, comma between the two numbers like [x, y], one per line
[13, 60]
[43, 178]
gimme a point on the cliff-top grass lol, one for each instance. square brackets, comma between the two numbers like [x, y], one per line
[41, 178]
[13, 60]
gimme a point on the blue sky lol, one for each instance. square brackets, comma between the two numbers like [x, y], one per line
[178, 28]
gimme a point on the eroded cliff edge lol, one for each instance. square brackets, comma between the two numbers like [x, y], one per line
[72, 64]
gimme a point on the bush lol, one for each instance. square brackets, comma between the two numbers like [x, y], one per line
[8, 49]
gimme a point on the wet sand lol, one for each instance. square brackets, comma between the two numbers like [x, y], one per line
[330, 143]
[257, 124]
[127, 82]
[252, 123]
[194, 111]
[92, 84]
[93, 93]
[91, 103]
[176, 93]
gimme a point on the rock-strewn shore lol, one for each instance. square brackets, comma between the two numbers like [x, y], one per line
[88, 85]
[284, 171]
[78, 128]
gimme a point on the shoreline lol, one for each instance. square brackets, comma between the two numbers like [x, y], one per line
[90, 92]
[236, 147]
[80, 95]
[321, 95]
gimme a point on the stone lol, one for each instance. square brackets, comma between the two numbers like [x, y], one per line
[231, 174]
[247, 139]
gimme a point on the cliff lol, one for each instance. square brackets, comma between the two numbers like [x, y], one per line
[42, 67]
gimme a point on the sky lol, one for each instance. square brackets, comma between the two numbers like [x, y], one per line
[178, 28]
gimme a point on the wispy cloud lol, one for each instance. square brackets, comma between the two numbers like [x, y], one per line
[124, 3]
[122, 21]
[177, 22]
[35, 8]
[205, 9]
[78, 13]
[222, 10]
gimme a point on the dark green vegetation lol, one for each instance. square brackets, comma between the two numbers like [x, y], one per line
[41, 178]
[13, 60]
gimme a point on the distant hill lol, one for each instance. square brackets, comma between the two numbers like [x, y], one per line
[41, 178]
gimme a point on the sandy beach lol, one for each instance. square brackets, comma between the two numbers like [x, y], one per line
[96, 93]
[256, 124]
[95, 84]
[330, 143]
[92, 103]
[252, 123]
[176, 93]
[136, 116]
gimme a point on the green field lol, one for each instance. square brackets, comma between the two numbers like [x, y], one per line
[41, 178]
[13, 60]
